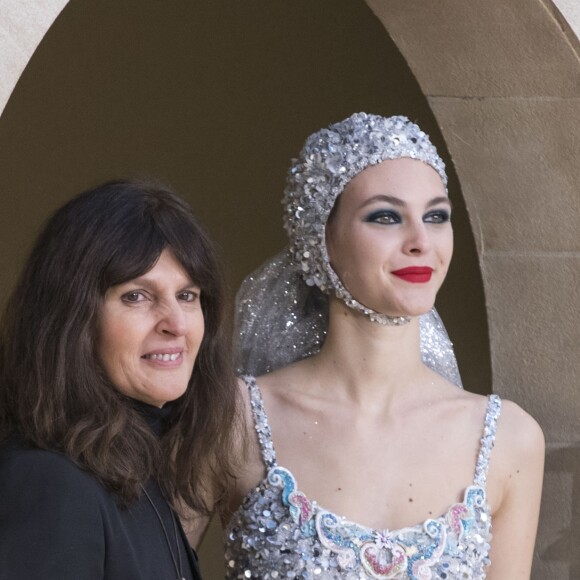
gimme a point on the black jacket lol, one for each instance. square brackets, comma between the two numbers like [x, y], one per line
[57, 522]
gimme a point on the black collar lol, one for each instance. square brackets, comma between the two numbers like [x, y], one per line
[156, 417]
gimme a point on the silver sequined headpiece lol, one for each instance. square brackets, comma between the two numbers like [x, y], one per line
[329, 160]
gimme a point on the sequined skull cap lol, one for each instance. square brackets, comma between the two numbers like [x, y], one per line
[329, 159]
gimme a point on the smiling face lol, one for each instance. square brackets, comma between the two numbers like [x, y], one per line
[390, 239]
[150, 330]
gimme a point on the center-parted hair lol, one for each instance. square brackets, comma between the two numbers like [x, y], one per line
[53, 390]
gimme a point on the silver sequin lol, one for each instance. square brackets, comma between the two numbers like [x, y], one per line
[279, 533]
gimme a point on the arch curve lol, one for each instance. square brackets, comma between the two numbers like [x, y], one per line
[23, 25]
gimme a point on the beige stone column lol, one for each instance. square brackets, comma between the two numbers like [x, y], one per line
[503, 79]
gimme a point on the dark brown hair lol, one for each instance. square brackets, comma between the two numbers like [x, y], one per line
[54, 392]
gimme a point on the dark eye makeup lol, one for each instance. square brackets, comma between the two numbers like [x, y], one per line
[437, 216]
[389, 216]
[384, 216]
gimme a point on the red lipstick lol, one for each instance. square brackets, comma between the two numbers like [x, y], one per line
[414, 274]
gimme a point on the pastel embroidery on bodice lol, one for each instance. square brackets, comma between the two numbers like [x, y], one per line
[280, 533]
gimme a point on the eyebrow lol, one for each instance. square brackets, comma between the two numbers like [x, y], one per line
[400, 203]
[143, 280]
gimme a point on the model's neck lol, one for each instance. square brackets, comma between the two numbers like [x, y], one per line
[367, 360]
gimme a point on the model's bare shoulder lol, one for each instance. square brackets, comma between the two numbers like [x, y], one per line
[516, 473]
[517, 462]
[519, 434]
[281, 386]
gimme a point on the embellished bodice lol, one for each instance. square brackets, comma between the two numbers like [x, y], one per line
[280, 533]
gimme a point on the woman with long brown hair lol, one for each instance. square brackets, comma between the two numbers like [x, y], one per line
[117, 398]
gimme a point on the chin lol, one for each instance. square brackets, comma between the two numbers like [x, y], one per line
[169, 395]
[173, 396]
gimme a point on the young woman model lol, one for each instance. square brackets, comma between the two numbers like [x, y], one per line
[369, 462]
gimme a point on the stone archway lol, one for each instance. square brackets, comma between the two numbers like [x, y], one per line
[507, 109]
[22, 27]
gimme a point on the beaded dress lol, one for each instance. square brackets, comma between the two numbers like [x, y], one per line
[279, 533]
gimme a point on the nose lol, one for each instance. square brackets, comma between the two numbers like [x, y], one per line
[417, 240]
[172, 320]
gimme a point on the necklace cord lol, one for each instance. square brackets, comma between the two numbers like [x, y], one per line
[176, 562]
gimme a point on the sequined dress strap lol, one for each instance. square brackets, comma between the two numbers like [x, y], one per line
[261, 422]
[487, 440]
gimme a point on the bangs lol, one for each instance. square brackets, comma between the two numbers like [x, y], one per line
[195, 255]
[142, 236]
[136, 251]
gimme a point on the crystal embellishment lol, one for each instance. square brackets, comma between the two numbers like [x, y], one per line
[278, 532]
